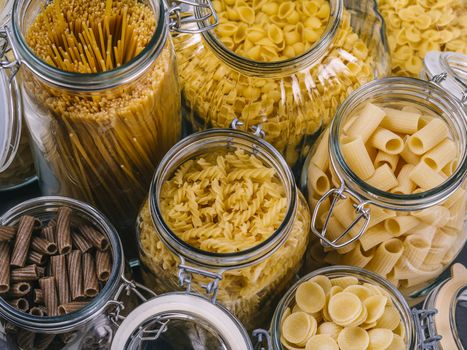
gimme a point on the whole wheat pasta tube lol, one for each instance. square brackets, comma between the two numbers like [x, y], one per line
[103, 265]
[75, 274]
[98, 239]
[59, 271]
[71, 307]
[36, 258]
[23, 239]
[27, 273]
[4, 267]
[48, 233]
[7, 233]
[81, 243]
[50, 295]
[63, 230]
[43, 246]
[20, 289]
[90, 283]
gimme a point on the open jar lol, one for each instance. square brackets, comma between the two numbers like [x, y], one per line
[16, 163]
[224, 217]
[258, 70]
[101, 97]
[91, 327]
[393, 219]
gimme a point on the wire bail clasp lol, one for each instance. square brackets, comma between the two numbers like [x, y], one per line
[424, 325]
[185, 279]
[190, 16]
[256, 129]
[7, 63]
[263, 339]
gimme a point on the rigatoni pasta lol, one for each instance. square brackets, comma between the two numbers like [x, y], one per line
[355, 315]
[407, 247]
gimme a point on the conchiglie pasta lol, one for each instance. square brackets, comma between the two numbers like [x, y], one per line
[402, 246]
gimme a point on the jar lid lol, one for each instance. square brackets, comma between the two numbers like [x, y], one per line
[449, 70]
[10, 116]
[451, 302]
[181, 321]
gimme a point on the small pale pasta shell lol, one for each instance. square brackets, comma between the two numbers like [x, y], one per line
[321, 342]
[380, 338]
[329, 328]
[344, 282]
[344, 308]
[310, 297]
[390, 318]
[375, 305]
[353, 338]
[298, 328]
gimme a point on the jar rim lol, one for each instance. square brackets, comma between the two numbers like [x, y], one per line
[340, 271]
[407, 87]
[211, 259]
[313, 54]
[99, 303]
[88, 81]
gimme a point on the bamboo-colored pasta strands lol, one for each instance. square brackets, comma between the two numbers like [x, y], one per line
[23, 239]
[7, 233]
[4, 267]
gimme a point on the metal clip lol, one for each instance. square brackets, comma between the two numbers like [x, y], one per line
[262, 338]
[153, 330]
[439, 78]
[5, 62]
[362, 214]
[257, 129]
[185, 277]
[118, 306]
[424, 325]
[201, 19]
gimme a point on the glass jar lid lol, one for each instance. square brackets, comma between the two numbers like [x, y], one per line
[449, 70]
[181, 321]
[450, 299]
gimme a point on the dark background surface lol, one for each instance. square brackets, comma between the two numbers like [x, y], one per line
[10, 198]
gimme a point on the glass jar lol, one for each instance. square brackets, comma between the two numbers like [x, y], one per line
[292, 99]
[99, 136]
[417, 27]
[16, 163]
[449, 70]
[247, 281]
[94, 325]
[419, 231]
[408, 324]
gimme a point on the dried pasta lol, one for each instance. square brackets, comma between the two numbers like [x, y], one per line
[361, 316]
[291, 106]
[409, 248]
[415, 27]
[227, 202]
[102, 146]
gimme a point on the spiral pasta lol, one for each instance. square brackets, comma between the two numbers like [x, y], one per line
[418, 26]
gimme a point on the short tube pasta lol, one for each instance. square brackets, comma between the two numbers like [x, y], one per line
[409, 248]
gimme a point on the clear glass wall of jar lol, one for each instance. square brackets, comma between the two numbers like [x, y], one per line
[363, 276]
[98, 136]
[247, 281]
[293, 98]
[17, 165]
[436, 214]
[91, 327]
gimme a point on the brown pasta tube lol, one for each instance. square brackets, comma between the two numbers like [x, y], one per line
[23, 239]
[36, 258]
[71, 307]
[81, 243]
[91, 285]
[63, 230]
[25, 339]
[21, 304]
[98, 239]
[20, 289]
[103, 265]
[75, 275]
[38, 311]
[25, 274]
[48, 233]
[41, 271]
[7, 233]
[38, 296]
[43, 341]
[58, 263]
[50, 295]
[43, 246]
[4, 267]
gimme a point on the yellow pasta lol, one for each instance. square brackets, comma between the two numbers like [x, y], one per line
[399, 121]
[386, 141]
[320, 181]
[353, 338]
[298, 327]
[441, 155]
[344, 308]
[321, 342]
[370, 117]
[386, 256]
[405, 185]
[383, 178]
[380, 338]
[375, 306]
[385, 158]
[356, 155]
[399, 225]
[329, 328]
[428, 137]
[310, 297]
[425, 177]
[390, 318]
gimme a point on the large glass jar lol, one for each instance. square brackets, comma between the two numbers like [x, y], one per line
[92, 327]
[246, 277]
[98, 127]
[412, 229]
[291, 98]
[16, 163]
[419, 26]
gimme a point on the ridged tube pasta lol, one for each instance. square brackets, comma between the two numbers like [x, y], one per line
[383, 178]
[405, 185]
[356, 155]
[399, 225]
[357, 257]
[440, 155]
[425, 177]
[385, 158]
[369, 119]
[428, 137]
[387, 141]
[386, 256]
[400, 121]
[319, 180]
[415, 250]
[374, 236]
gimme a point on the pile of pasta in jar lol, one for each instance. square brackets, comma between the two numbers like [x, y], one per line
[228, 205]
[283, 64]
[402, 153]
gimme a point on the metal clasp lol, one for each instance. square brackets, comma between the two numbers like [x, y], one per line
[263, 339]
[185, 278]
[256, 129]
[117, 306]
[202, 18]
[439, 78]
[424, 325]
[5, 62]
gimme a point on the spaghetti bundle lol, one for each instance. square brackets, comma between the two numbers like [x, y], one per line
[102, 146]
